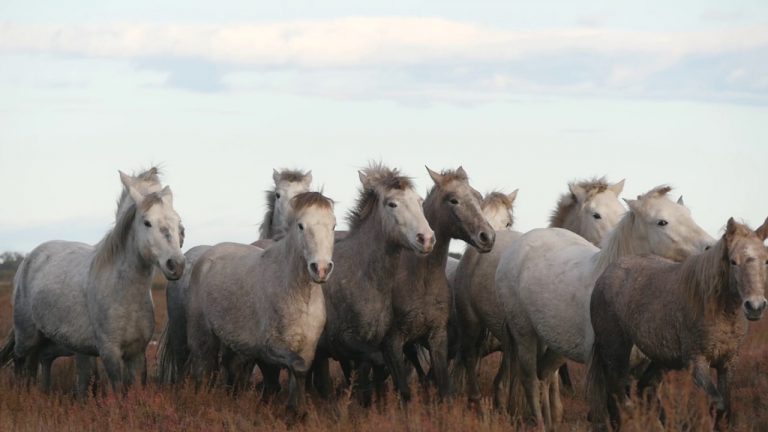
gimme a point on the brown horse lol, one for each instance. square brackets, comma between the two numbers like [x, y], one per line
[422, 301]
[679, 315]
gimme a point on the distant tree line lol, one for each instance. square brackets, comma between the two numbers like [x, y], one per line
[9, 262]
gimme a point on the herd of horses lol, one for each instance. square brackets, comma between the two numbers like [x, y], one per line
[626, 291]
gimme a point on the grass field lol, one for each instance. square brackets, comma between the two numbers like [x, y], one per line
[162, 408]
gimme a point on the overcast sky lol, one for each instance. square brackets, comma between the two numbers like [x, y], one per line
[524, 96]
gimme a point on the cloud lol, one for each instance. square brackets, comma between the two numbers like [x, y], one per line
[459, 57]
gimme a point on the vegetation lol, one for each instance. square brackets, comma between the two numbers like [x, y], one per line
[182, 408]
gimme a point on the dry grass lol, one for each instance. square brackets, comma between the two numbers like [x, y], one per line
[158, 408]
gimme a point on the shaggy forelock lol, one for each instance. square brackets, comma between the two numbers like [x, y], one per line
[567, 201]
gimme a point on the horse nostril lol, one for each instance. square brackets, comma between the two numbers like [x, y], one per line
[420, 238]
[707, 247]
[330, 268]
[313, 267]
[483, 237]
[170, 265]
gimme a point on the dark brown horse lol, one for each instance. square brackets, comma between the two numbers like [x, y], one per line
[422, 300]
[680, 315]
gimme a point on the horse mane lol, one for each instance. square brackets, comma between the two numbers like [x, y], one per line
[265, 229]
[616, 244]
[311, 199]
[377, 176]
[567, 201]
[115, 240]
[151, 175]
[292, 176]
[496, 197]
[703, 276]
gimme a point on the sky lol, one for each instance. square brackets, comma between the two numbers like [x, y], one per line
[528, 96]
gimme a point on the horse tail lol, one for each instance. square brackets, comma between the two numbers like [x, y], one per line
[6, 352]
[172, 349]
[597, 391]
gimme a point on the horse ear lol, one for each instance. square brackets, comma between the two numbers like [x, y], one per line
[680, 201]
[128, 183]
[460, 171]
[762, 232]
[617, 187]
[275, 176]
[308, 178]
[730, 228]
[167, 195]
[437, 178]
[578, 192]
[513, 195]
[632, 204]
[363, 178]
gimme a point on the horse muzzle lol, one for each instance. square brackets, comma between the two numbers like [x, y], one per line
[173, 268]
[754, 308]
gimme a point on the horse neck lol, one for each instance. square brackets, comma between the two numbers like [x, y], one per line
[290, 258]
[435, 262]
[379, 254]
[125, 268]
[705, 280]
[624, 239]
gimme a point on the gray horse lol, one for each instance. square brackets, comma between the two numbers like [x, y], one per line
[172, 352]
[264, 304]
[387, 219]
[422, 300]
[95, 300]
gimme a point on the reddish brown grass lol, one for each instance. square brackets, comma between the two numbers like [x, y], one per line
[159, 408]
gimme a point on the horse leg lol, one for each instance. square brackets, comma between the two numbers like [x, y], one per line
[380, 374]
[703, 379]
[392, 348]
[135, 365]
[363, 386]
[470, 360]
[321, 376]
[113, 363]
[548, 367]
[411, 353]
[502, 380]
[438, 351]
[723, 385]
[565, 378]
[46, 364]
[527, 356]
[297, 404]
[86, 367]
[271, 381]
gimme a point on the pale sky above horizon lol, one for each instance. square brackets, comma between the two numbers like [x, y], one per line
[523, 96]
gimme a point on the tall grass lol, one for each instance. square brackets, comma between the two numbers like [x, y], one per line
[182, 408]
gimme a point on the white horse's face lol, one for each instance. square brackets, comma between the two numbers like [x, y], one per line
[499, 215]
[599, 213]
[284, 193]
[403, 217]
[668, 227]
[315, 226]
[157, 228]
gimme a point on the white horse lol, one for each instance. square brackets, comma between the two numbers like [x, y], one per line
[545, 278]
[264, 304]
[591, 207]
[95, 300]
[172, 351]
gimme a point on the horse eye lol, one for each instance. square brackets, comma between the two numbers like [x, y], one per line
[662, 222]
[597, 216]
[733, 262]
[301, 226]
[392, 204]
[454, 201]
[277, 195]
[147, 224]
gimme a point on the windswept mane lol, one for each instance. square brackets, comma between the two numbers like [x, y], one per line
[149, 181]
[617, 243]
[658, 191]
[567, 201]
[116, 239]
[496, 197]
[292, 176]
[310, 199]
[702, 276]
[378, 177]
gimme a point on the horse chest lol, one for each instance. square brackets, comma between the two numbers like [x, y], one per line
[302, 323]
[720, 340]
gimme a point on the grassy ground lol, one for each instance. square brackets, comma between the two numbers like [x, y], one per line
[181, 408]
